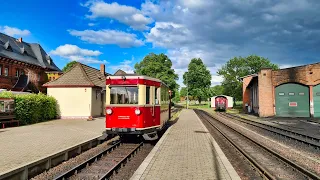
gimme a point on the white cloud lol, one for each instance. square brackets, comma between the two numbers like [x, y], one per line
[216, 80]
[12, 31]
[70, 50]
[168, 34]
[126, 66]
[74, 53]
[92, 24]
[219, 30]
[106, 36]
[125, 14]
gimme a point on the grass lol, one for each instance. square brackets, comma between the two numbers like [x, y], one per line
[193, 105]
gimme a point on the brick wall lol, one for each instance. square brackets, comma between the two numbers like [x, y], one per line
[7, 82]
[307, 75]
[266, 97]
[246, 91]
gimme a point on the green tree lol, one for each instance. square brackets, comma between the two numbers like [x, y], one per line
[198, 79]
[238, 67]
[160, 67]
[217, 90]
[69, 66]
[177, 96]
[183, 91]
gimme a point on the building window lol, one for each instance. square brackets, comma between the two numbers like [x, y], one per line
[21, 72]
[39, 76]
[53, 78]
[6, 71]
[0, 70]
[17, 72]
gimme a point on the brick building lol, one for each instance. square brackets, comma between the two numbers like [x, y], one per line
[290, 92]
[23, 65]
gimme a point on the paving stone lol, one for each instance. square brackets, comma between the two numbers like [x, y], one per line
[187, 152]
[24, 144]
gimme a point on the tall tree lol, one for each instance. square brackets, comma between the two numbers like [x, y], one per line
[197, 79]
[217, 90]
[238, 67]
[183, 91]
[160, 67]
[69, 66]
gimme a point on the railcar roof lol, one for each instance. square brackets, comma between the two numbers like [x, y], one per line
[134, 76]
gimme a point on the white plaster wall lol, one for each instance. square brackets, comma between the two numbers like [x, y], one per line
[72, 102]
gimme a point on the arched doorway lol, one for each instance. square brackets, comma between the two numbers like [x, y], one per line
[292, 100]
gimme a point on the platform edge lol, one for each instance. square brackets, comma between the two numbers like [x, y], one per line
[142, 168]
[226, 163]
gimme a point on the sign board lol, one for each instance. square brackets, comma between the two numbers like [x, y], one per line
[293, 104]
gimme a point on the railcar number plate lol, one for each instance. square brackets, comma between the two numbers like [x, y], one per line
[123, 117]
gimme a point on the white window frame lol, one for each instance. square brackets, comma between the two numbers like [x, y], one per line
[6, 71]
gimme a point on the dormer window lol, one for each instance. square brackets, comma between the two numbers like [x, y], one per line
[7, 46]
[48, 58]
[25, 53]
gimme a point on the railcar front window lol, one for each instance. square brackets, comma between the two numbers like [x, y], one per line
[123, 95]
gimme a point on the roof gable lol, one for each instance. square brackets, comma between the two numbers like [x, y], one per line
[79, 75]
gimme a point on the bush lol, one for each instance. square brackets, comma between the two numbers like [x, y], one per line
[33, 108]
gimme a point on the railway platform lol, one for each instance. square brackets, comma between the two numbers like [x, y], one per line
[186, 151]
[25, 145]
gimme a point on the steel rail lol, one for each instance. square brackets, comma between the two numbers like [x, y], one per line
[261, 170]
[309, 140]
[75, 169]
[279, 156]
[118, 165]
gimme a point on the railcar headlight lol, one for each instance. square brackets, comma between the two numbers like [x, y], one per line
[109, 111]
[137, 111]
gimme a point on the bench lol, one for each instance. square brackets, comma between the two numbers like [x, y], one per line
[8, 119]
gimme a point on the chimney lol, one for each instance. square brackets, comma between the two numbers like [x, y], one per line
[20, 39]
[102, 69]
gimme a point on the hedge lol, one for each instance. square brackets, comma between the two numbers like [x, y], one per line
[33, 108]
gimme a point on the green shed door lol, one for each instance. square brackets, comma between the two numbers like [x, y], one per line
[316, 100]
[292, 100]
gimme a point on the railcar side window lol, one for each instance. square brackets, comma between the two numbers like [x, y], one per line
[148, 95]
[123, 95]
[156, 98]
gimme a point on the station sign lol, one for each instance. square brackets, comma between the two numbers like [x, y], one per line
[293, 104]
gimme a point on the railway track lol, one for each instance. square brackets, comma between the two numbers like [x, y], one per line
[267, 162]
[294, 135]
[104, 164]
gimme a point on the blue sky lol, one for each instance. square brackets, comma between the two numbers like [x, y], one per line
[121, 33]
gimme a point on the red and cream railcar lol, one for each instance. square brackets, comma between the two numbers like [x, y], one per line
[136, 105]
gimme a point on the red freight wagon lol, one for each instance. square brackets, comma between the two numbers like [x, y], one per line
[136, 105]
